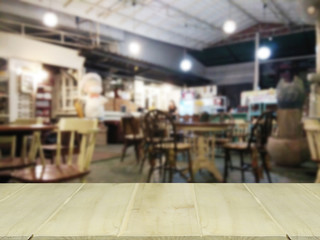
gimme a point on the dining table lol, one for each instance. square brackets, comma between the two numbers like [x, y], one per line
[168, 211]
[36, 130]
[205, 134]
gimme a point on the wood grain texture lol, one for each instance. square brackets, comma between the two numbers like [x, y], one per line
[292, 206]
[160, 211]
[95, 212]
[22, 213]
[6, 190]
[229, 211]
[313, 188]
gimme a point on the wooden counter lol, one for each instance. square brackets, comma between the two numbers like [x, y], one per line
[160, 211]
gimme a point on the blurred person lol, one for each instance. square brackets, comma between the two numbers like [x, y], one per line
[172, 109]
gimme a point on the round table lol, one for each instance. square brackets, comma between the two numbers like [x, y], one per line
[13, 129]
[23, 130]
[201, 129]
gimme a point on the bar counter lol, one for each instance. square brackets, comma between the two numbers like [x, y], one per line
[159, 211]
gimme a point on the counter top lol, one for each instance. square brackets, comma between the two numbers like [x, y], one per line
[160, 211]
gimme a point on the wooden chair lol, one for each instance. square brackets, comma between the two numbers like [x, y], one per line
[50, 147]
[256, 144]
[225, 136]
[60, 172]
[147, 142]
[132, 136]
[10, 163]
[312, 128]
[162, 138]
[240, 132]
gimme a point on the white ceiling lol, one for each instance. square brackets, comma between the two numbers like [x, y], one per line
[193, 24]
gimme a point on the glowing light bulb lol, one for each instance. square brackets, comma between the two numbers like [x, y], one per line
[186, 65]
[229, 26]
[264, 53]
[134, 48]
[50, 19]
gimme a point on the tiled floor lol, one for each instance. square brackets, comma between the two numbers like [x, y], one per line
[114, 171]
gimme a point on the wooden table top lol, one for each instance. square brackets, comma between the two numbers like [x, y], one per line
[25, 128]
[160, 211]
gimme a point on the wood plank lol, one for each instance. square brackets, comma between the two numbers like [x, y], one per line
[314, 188]
[230, 211]
[162, 211]
[6, 190]
[96, 211]
[296, 209]
[23, 213]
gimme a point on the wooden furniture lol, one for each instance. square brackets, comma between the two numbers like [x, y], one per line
[225, 136]
[115, 132]
[25, 130]
[4, 90]
[116, 104]
[66, 93]
[26, 121]
[202, 145]
[256, 144]
[60, 147]
[44, 102]
[222, 118]
[59, 172]
[162, 138]
[132, 135]
[240, 132]
[147, 143]
[312, 128]
[11, 162]
[11, 140]
[160, 211]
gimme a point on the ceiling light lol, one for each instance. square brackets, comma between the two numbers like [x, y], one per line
[264, 53]
[186, 65]
[50, 19]
[311, 10]
[134, 48]
[229, 26]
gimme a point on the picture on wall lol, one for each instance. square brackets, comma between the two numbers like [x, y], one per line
[26, 83]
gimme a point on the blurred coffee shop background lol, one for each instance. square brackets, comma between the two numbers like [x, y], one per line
[211, 58]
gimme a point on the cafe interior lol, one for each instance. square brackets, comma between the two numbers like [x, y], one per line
[159, 91]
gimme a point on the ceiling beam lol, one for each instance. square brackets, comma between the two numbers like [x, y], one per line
[67, 3]
[104, 66]
[117, 6]
[188, 15]
[281, 12]
[190, 77]
[278, 12]
[93, 5]
[244, 11]
[161, 28]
